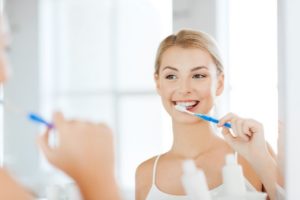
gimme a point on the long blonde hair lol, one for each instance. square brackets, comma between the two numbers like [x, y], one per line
[190, 39]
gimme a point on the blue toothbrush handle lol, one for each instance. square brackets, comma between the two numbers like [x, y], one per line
[228, 125]
[36, 118]
[211, 119]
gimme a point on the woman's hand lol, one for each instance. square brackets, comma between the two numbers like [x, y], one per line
[246, 136]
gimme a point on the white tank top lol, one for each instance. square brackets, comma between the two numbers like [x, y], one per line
[156, 194]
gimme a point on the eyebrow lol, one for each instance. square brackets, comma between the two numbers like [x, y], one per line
[175, 69]
[169, 67]
[199, 67]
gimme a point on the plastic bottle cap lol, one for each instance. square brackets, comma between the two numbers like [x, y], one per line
[230, 159]
[189, 166]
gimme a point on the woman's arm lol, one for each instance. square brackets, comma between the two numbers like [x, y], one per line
[247, 138]
[11, 189]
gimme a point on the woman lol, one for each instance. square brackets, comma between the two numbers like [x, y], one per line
[189, 72]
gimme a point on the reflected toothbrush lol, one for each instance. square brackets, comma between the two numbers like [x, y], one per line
[37, 118]
[201, 116]
[30, 115]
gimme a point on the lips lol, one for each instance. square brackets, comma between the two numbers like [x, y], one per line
[189, 105]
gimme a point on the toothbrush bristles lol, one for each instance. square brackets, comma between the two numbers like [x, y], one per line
[180, 108]
[183, 109]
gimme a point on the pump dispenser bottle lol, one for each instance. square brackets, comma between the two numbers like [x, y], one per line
[233, 179]
[194, 182]
[234, 183]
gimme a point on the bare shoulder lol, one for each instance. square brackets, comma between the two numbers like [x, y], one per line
[250, 174]
[143, 178]
[144, 170]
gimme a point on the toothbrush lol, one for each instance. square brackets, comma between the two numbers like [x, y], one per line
[30, 115]
[37, 118]
[201, 116]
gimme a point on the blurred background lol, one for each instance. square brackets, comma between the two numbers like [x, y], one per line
[94, 60]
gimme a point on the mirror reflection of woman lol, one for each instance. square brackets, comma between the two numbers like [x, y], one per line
[189, 72]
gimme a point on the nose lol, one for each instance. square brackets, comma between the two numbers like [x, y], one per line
[185, 87]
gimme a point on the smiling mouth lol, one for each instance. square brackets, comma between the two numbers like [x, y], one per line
[189, 105]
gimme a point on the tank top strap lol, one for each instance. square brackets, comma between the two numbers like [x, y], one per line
[154, 169]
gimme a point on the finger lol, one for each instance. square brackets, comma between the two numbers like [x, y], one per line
[240, 123]
[255, 128]
[246, 128]
[238, 126]
[243, 138]
[58, 119]
[234, 126]
[227, 118]
[42, 141]
[228, 137]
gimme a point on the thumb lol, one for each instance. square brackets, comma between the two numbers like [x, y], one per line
[229, 138]
[42, 141]
[58, 119]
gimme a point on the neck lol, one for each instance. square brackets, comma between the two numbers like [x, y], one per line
[192, 140]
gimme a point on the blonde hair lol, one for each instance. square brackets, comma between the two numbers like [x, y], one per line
[190, 39]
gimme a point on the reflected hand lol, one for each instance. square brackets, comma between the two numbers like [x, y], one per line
[83, 147]
[84, 152]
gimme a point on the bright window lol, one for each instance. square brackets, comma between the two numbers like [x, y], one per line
[102, 54]
[253, 62]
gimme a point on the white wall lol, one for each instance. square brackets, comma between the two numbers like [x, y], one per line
[289, 96]
[210, 16]
[185, 13]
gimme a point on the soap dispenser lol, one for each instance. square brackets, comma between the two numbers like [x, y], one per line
[233, 178]
[194, 182]
[234, 183]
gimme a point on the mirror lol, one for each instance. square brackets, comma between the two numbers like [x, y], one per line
[95, 60]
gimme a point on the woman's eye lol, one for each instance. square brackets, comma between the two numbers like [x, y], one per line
[198, 76]
[171, 77]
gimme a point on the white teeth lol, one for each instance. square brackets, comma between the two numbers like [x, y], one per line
[186, 104]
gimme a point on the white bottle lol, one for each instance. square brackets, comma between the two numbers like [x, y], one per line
[72, 192]
[54, 192]
[194, 182]
[234, 183]
[233, 178]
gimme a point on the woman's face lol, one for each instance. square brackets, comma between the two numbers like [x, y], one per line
[188, 76]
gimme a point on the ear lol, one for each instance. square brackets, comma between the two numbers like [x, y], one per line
[156, 80]
[220, 84]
